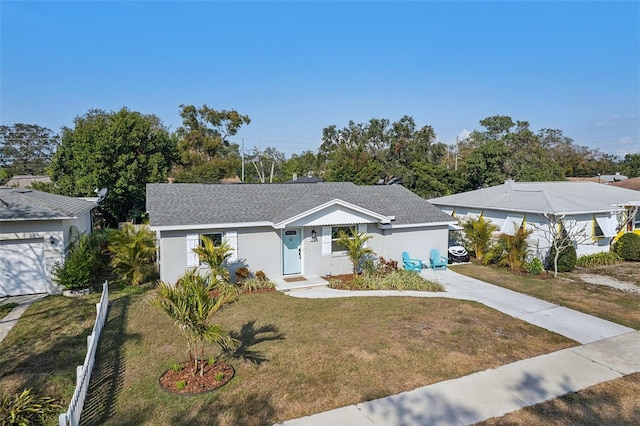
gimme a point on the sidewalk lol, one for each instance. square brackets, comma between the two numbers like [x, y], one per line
[7, 323]
[608, 351]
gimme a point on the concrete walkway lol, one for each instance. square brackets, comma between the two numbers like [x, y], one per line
[7, 323]
[608, 351]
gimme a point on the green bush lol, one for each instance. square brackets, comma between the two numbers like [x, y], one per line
[395, 280]
[84, 263]
[628, 247]
[566, 260]
[534, 267]
[598, 259]
[25, 409]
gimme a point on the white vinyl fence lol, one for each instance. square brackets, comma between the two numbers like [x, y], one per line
[72, 416]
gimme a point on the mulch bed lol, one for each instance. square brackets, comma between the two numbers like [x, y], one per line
[195, 384]
[345, 279]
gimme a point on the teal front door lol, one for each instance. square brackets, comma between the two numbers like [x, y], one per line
[291, 253]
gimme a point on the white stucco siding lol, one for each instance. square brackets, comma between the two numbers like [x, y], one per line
[418, 242]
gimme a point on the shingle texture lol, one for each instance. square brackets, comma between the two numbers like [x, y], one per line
[543, 197]
[196, 204]
[24, 204]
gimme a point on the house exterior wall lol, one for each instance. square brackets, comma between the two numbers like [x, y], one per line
[539, 244]
[260, 248]
[418, 242]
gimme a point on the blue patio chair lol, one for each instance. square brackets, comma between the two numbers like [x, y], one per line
[437, 261]
[411, 264]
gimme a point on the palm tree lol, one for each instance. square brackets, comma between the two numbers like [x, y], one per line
[354, 242]
[479, 232]
[192, 303]
[132, 253]
[214, 256]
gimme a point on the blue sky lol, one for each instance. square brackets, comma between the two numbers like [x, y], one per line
[297, 67]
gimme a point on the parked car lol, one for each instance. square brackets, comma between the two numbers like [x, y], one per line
[457, 253]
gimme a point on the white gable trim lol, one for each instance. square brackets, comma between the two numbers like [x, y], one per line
[373, 216]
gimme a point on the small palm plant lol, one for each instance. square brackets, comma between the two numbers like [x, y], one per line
[192, 303]
[133, 252]
[479, 232]
[214, 256]
[354, 242]
[510, 250]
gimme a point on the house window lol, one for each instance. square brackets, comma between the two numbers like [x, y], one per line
[215, 237]
[194, 240]
[597, 231]
[637, 220]
[335, 231]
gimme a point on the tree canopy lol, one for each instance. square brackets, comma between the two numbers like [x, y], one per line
[206, 155]
[121, 151]
[26, 149]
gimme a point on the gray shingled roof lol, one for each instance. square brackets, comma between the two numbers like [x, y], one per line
[543, 197]
[26, 204]
[197, 204]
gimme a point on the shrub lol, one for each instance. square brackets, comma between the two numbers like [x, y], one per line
[25, 408]
[261, 275]
[566, 260]
[598, 259]
[181, 384]
[253, 284]
[534, 267]
[386, 266]
[84, 263]
[628, 247]
[219, 376]
[242, 274]
[132, 253]
[478, 233]
[175, 367]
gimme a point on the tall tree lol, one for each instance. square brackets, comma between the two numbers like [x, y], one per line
[630, 166]
[121, 151]
[206, 155]
[26, 149]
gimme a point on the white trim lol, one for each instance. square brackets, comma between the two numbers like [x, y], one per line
[193, 241]
[326, 241]
[231, 238]
[416, 225]
[209, 226]
[441, 206]
[381, 218]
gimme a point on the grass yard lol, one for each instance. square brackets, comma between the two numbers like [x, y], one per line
[299, 356]
[571, 291]
[611, 403]
[6, 309]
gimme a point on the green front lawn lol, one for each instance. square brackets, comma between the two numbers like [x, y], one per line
[298, 356]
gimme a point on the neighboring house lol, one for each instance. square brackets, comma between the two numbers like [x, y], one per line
[602, 210]
[290, 230]
[633, 183]
[35, 232]
[25, 181]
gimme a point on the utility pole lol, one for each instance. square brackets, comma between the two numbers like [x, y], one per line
[242, 155]
[455, 167]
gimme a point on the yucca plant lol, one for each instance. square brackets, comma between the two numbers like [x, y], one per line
[26, 408]
[191, 304]
[354, 242]
[133, 252]
[214, 256]
[479, 233]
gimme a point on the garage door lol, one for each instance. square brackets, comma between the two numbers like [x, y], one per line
[22, 267]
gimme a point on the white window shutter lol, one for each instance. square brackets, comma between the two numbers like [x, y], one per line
[231, 238]
[362, 229]
[326, 240]
[193, 241]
